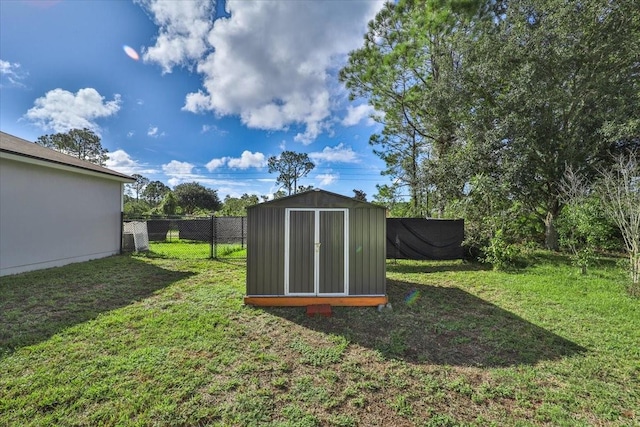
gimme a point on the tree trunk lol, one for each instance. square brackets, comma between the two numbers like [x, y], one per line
[550, 232]
[635, 267]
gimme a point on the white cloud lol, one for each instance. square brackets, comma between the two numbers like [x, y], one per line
[246, 160]
[337, 154]
[12, 73]
[121, 161]
[183, 28]
[175, 181]
[176, 168]
[214, 129]
[61, 110]
[216, 163]
[153, 132]
[327, 178]
[182, 172]
[356, 114]
[270, 63]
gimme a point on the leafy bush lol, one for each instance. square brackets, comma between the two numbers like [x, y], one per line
[501, 254]
[583, 229]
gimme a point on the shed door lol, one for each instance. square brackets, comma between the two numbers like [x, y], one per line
[316, 255]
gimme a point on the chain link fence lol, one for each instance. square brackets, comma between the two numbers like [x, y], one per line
[191, 238]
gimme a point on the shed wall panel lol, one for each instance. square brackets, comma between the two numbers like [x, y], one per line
[265, 252]
[367, 247]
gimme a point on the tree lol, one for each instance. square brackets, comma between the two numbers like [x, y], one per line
[154, 192]
[133, 208]
[510, 90]
[170, 204]
[139, 185]
[234, 206]
[279, 194]
[407, 70]
[360, 195]
[291, 167]
[620, 196]
[388, 197]
[565, 77]
[582, 227]
[192, 196]
[303, 188]
[81, 143]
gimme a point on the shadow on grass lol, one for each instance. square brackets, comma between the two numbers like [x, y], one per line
[408, 266]
[440, 325]
[34, 306]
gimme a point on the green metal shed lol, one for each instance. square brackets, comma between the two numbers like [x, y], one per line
[316, 247]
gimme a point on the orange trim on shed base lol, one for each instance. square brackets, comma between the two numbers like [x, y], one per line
[355, 301]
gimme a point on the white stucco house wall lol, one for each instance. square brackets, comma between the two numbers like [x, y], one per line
[55, 209]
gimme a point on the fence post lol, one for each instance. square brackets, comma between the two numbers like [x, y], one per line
[211, 242]
[242, 218]
[214, 236]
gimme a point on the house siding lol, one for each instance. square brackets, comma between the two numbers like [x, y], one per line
[52, 217]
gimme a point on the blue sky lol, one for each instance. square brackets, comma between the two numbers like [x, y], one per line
[218, 88]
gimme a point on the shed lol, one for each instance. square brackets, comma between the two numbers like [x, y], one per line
[55, 209]
[316, 247]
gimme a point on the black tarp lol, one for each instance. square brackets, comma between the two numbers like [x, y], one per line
[195, 229]
[420, 238]
[158, 229]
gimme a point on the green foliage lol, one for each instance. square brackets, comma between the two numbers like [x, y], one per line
[543, 103]
[192, 196]
[515, 91]
[407, 70]
[388, 196]
[501, 254]
[279, 194]
[154, 192]
[136, 188]
[359, 195]
[81, 143]
[583, 229]
[291, 167]
[234, 206]
[135, 208]
[488, 212]
[169, 204]
[619, 189]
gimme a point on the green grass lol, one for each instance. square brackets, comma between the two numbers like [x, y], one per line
[188, 249]
[152, 340]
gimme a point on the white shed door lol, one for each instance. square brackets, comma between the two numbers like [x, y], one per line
[316, 252]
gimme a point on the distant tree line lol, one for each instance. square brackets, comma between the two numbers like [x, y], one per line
[151, 198]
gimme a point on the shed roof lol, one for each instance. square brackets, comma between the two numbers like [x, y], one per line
[12, 145]
[316, 198]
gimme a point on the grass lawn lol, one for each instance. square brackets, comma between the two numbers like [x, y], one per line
[151, 340]
[190, 249]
